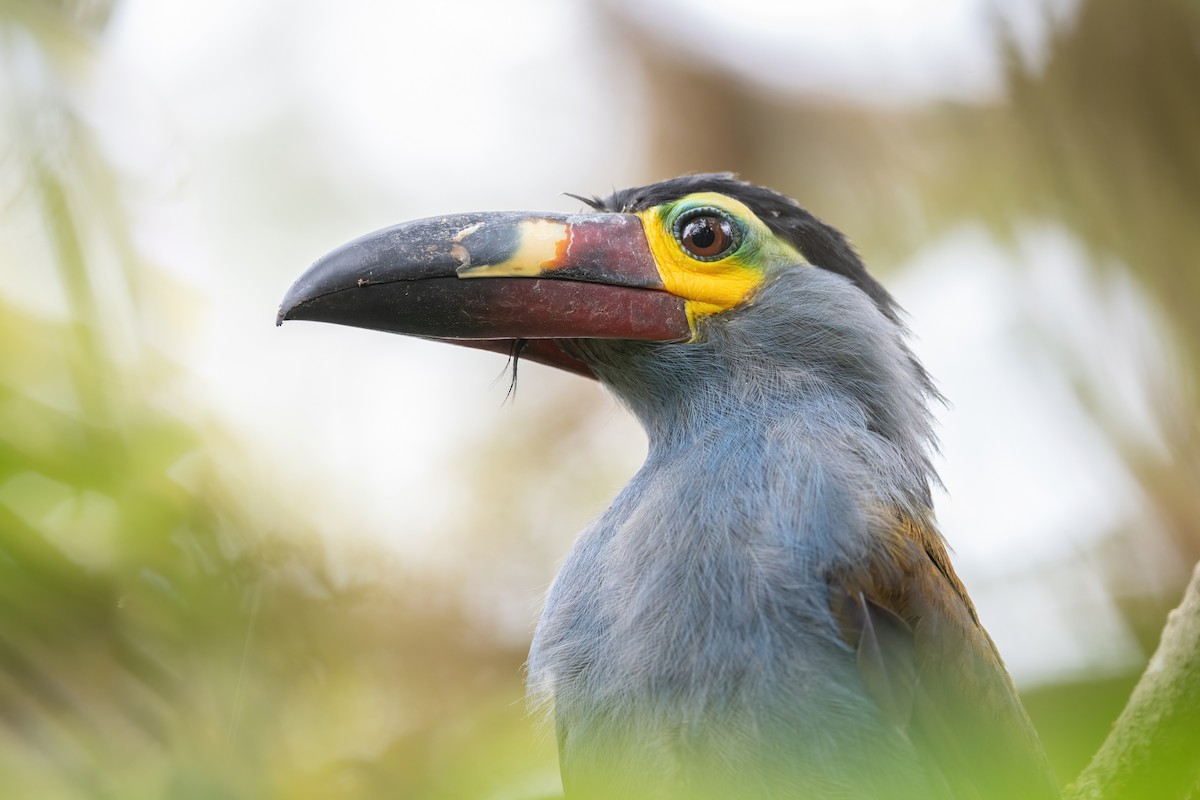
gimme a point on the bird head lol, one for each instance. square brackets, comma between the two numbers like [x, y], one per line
[702, 288]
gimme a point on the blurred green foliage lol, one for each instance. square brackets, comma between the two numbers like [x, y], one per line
[160, 638]
[156, 638]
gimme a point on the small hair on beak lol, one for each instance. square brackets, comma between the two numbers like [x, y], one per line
[514, 359]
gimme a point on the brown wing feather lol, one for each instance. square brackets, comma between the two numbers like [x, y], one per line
[935, 672]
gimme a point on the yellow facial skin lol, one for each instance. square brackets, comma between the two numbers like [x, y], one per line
[712, 287]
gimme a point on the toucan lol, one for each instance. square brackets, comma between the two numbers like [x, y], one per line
[767, 609]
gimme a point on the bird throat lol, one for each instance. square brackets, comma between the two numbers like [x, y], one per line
[690, 626]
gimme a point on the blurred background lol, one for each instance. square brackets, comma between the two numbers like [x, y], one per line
[242, 562]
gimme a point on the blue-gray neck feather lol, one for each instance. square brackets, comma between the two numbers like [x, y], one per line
[689, 635]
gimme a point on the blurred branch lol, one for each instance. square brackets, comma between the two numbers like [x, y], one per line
[1152, 751]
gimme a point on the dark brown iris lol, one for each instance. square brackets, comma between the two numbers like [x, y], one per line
[707, 236]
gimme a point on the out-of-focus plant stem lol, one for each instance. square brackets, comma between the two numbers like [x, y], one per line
[1153, 750]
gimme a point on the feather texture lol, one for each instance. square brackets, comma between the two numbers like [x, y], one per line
[766, 610]
[925, 657]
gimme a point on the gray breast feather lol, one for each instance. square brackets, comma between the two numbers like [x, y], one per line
[688, 641]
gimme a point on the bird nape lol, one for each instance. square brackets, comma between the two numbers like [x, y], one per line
[767, 610]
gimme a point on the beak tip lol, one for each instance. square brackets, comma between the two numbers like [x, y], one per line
[298, 294]
[289, 304]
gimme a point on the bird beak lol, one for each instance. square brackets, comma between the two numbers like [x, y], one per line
[490, 279]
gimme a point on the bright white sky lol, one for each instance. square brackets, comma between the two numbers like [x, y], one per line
[885, 52]
[425, 108]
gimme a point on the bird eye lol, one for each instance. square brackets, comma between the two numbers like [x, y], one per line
[707, 235]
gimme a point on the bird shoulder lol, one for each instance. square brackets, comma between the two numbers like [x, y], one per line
[933, 670]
